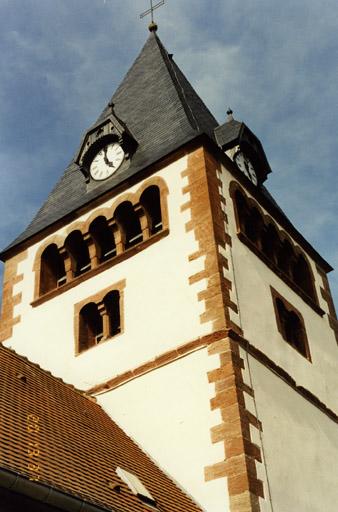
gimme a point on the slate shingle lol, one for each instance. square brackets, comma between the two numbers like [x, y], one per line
[161, 110]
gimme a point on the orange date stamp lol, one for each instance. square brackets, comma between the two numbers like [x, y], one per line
[33, 448]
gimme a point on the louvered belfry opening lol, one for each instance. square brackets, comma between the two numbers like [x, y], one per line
[129, 224]
[150, 200]
[107, 237]
[285, 257]
[103, 237]
[302, 277]
[53, 272]
[267, 240]
[112, 308]
[99, 320]
[91, 326]
[78, 251]
[270, 242]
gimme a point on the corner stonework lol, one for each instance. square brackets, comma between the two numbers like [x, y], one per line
[9, 298]
[241, 454]
[208, 225]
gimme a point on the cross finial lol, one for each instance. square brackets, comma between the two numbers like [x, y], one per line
[152, 26]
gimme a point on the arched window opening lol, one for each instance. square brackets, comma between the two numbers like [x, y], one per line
[150, 200]
[91, 326]
[285, 257]
[242, 210]
[275, 248]
[79, 253]
[302, 276]
[112, 310]
[103, 237]
[270, 242]
[129, 222]
[53, 272]
[253, 225]
[292, 328]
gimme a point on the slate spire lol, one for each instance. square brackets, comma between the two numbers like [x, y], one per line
[161, 110]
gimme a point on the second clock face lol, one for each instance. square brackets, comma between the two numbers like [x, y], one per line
[106, 161]
[245, 165]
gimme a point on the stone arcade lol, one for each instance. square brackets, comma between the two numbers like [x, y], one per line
[161, 278]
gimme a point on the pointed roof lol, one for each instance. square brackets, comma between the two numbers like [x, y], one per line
[162, 111]
[78, 447]
[234, 132]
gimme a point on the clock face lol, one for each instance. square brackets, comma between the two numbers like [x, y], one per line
[245, 165]
[106, 161]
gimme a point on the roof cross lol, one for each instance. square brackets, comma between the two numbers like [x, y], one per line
[152, 25]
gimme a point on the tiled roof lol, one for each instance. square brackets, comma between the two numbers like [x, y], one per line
[162, 111]
[79, 446]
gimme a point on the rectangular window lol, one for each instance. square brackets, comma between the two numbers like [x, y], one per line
[99, 317]
[290, 324]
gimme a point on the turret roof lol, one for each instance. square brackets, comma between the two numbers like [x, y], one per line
[162, 111]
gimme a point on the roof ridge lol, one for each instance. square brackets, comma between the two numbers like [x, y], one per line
[178, 87]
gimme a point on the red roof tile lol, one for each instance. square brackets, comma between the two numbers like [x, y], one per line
[79, 445]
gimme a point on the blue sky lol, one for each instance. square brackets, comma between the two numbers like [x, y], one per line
[275, 63]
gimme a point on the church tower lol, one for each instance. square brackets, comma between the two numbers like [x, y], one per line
[161, 277]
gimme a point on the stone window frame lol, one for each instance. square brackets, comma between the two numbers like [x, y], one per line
[122, 253]
[97, 298]
[291, 309]
[255, 246]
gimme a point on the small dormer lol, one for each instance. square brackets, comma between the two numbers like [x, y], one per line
[105, 149]
[244, 148]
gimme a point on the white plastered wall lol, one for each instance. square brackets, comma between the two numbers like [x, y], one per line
[157, 291]
[300, 446]
[168, 412]
[252, 279]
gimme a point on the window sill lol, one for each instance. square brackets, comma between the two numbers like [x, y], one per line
[100, 268]
[102, 342]
[309, 301]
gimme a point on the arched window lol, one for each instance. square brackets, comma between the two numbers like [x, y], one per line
[103, 237]
[285, 257]
[99, 319]
[253, 225]
[78, 251]
[291, 328]
[302, 276]
[52, 273]
[270, 242]
[91, 326]
[242, 210]
[112, 310]
[250, 220]
[276, 249]
[129, 223]
[150, 200]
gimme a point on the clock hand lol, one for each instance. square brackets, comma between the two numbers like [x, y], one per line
[106, 161]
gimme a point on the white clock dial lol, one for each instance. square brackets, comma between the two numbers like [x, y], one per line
[106, 161]
[245, 165]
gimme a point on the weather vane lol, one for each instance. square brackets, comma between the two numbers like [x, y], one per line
[152, 25]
